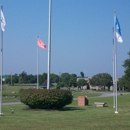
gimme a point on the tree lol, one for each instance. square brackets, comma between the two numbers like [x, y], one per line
[82, 74]
[8, 79]
[121, 82]
[102, 79]
[68, 80]
[15, 78]
[59, 85]
[23, 78]
[54, 78]
[65, 77]
[32, 78]
[125, 80]
[81, 83]
[42, 78]
[73, 78]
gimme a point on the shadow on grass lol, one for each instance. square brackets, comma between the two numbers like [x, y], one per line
[63, 109]
[67, 108]
[106, 106]
[72, 108]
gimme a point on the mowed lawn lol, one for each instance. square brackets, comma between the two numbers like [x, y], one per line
[11, 93]
[72, 117]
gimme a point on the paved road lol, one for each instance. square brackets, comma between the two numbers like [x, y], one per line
[108, 94]
[11, 103]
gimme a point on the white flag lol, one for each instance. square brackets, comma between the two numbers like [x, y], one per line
[3, 23]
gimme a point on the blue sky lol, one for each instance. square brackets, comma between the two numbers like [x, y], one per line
[81, 36]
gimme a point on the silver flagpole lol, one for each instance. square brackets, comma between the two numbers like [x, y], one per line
[113, 75]
[115, 62]
[37, 67]
[1, 69]
[49, 46]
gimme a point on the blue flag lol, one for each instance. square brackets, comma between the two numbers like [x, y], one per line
[118, 31]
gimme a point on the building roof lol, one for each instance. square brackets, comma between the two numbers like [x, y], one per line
[44, 84]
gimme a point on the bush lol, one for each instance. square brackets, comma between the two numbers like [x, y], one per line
[46, 99]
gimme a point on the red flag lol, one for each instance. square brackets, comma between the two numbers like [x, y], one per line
[41, 44]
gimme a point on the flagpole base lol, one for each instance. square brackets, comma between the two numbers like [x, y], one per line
[116, 112]
[1, 114]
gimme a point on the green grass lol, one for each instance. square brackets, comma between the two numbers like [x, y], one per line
[72, 117]
[10, 99]
[85, 93]
[13, 90]
[11, 93]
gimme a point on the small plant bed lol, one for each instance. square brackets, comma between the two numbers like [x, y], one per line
[46, 99]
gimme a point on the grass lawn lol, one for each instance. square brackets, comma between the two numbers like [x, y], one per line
[85, 93]
[10, 99]
[13, 90]
[11, 93]
[72, 117]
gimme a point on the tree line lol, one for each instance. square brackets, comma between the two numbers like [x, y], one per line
[63, 80]
[69, 80]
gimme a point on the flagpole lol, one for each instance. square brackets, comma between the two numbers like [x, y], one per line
[113, 75]
[37, 67]
[1, 69]
[49, 46]
[115, 63]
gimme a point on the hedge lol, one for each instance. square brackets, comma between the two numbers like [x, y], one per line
[46, 99]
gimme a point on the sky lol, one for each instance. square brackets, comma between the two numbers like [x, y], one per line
[81, 36]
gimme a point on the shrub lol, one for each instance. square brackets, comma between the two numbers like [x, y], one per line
[46, 99]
